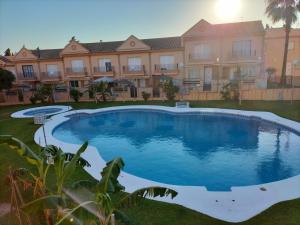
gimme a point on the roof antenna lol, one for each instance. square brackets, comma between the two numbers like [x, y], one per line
[38, 52]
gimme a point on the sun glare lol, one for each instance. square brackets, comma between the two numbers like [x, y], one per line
[227, 9]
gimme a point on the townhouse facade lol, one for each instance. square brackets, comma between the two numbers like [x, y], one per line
[204, 58]
[274, 49]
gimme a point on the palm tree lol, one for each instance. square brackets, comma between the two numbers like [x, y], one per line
[285, 11]
[103, 89]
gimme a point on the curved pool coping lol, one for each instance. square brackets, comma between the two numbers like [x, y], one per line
[21, 113]
[237, 205]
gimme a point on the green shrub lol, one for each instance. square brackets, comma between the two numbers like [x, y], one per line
[170, 89]
[146, 95]
[33, 99]
[6, 79]
[20, 95]
[75, 94]
[231, 91]
[91, 91]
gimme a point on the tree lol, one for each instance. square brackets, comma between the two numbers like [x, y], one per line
[75, 94]
[103, 89]
[6, 79]
[231, 91]
[285, 11]
[7, 52]
[170, 89]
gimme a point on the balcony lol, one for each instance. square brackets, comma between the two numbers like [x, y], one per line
[196, 57]
[76, 71]
[27, 76]
[104, 71]
[51, 76]
[192, 81]
[166, 69]
[134, 70]
[236, 56]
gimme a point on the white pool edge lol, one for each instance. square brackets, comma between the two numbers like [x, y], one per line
[21, 113]
[248, 200]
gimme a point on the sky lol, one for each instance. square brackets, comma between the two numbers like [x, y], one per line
[51, 23]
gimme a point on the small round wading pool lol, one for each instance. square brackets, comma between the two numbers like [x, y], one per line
[214, 150]
[48, 110]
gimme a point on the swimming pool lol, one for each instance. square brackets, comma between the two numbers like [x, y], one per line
[48, 110]
[214, 150]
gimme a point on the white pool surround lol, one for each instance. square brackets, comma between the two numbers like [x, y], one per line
[237, 205]
[22, 113]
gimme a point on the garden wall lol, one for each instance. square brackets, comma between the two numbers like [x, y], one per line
[254, 94]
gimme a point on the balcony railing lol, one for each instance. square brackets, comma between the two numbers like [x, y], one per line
[168, 68]
[102, 70]
[136, 69]
[200, 57]
[27, 76]
[76, 71]
[242, 56]
[51, 75]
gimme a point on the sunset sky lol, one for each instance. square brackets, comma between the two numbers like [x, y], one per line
[51, 23]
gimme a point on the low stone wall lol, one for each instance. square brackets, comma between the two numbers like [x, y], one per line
[272, 94]
[253, 94]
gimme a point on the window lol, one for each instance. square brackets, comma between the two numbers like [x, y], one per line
[241, 48]
[202, 51]
[105, 65]
[134, 64]
[249, 70]
[52, 70]
[167, 62]
[142, 83]
[77, 66]
[194, 73]
[28, 71]
[246, 71]
[74, 83]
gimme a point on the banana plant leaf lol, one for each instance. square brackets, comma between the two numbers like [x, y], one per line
[70, 167]
[109, 182]
[140, 194]
[84, 184]
[45, 202]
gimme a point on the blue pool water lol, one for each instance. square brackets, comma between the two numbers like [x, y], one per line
[42, 111]
[212, 150]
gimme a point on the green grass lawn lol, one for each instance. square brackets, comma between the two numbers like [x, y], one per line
[151, 212]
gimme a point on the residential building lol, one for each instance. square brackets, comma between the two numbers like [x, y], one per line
[274, 50]
[204, 58]
[214, 51]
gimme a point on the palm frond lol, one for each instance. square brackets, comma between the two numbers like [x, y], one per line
[282, 10]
